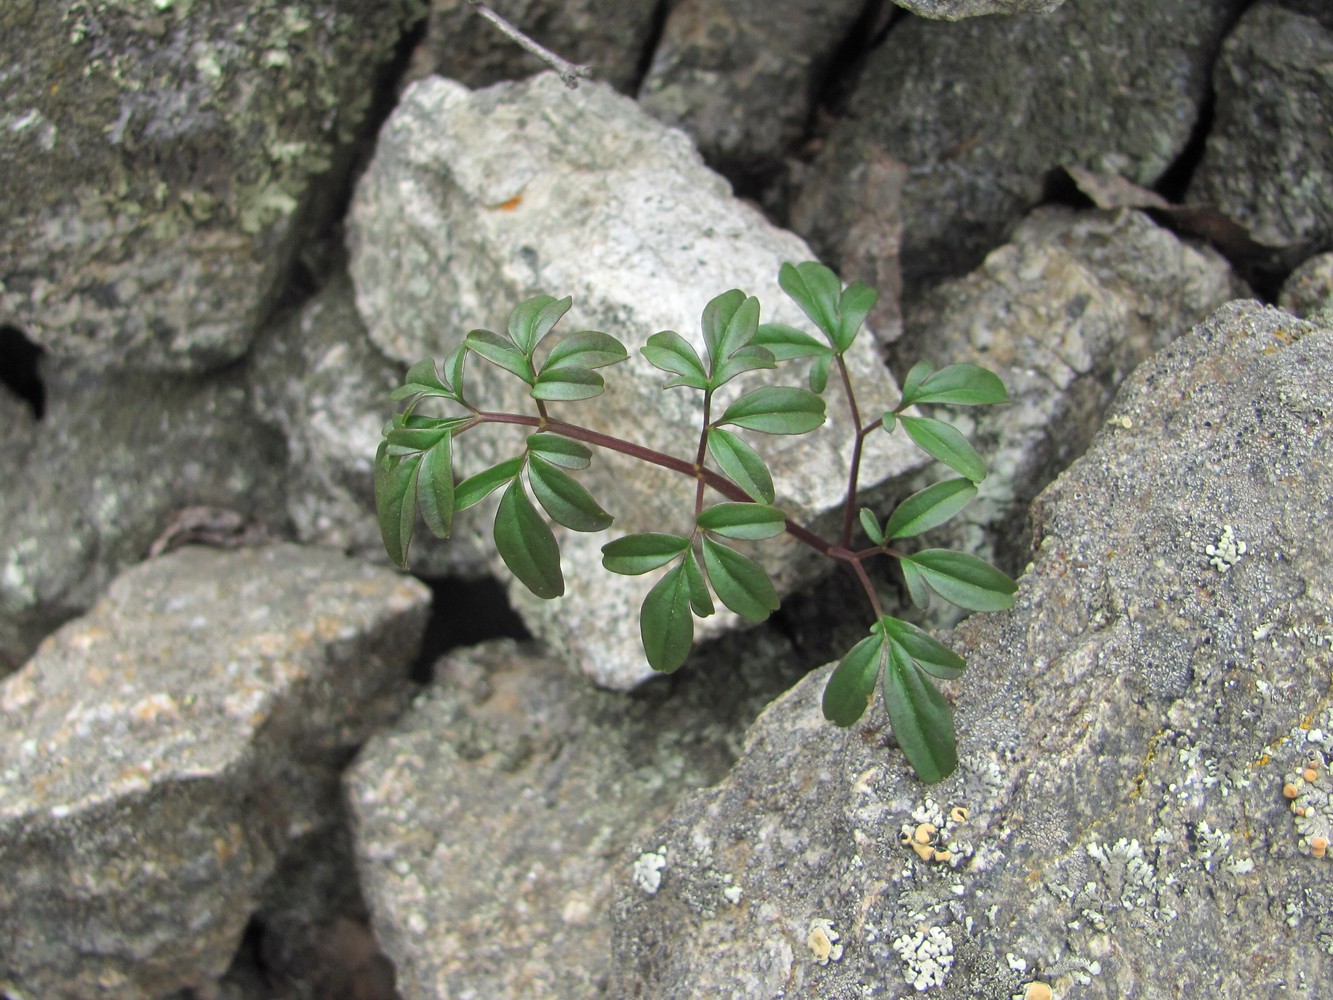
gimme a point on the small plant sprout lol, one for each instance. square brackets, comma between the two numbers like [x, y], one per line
[734, 496]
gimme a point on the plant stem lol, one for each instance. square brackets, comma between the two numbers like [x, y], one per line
[570, 73]
[854, 473]
[703, 450]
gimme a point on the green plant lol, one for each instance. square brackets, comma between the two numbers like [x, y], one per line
[414, 472]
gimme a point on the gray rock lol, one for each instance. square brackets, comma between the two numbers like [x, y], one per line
[100, 477]
[981, 110]
[158, 755]
[1269, 158]
[954, 10]
[1062, 313]
[740, 76]
[475, 201]
[320, 380]
[609, 36]
[158, 160]
[1310, 287]
[487, 819]
[1126, 732]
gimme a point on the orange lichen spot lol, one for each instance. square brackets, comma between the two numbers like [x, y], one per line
[1037, 991]
[508, 205]
[1310, 775]
[1319, 846]
[925, 833]
[923, 851]
[1290, 790]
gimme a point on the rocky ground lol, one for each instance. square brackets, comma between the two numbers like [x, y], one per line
[243, 757]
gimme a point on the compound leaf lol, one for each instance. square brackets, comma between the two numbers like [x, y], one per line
[959, 385]
[672, 353]
[475, 489]
[930, 654]
[929, 508]
[743, 520]
[746, 359]
[396, 501]
[567, 384]
[722, 333]
[501, 351]
[816, 289]
[916, 583]
[701, 603]
[776, 410]
[589, 349]
[787, 342]
[559, 450]
[526, 544]
[922, 720]
[944, 442]
[917, 374]
[856, 300]
[435, 488]
[741, 464]
[739, 582]
[533, 319]
[963, 579]
[564, 498]
[666, 621]
[636, 554]
[871, 526]
[851, 687]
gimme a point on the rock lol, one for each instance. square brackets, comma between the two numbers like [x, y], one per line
[1062, 313]
[159, 754]
[159, 159]
[609, 36]
[103, 473]
[1268, 162]
[1310, 287]
[741, 76]
[1126, 733]
[487, 818]
[475, 201]
[954, 10]
[980, 111]
[317, 377]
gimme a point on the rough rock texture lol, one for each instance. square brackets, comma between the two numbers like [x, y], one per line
[981, 110]
[1126, 733]
[487, 817]
[475, 201]
[158, 755]
[1062, 314]
[157, 160]
[1269, 158]
[953, 10]
[609, 36]
[1310, 287]
[100, 477]
[320, 380]
[740, 77]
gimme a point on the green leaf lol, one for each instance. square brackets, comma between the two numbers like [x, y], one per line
[567, 384]
[727, 319]
[636, 554]
[474, 489]
[960, 385]
[743, 520]
[500, 351]
[565, 499]
[916, 584]
[739, 582]
[930, 507]
[559, 450]
[964, 580]
[889, 420]
[588, 349]
[435, 488]
[945, 443]
[526, 544]
[453, 370]
[701, 603]
[533, 319]
[871, 526]
[741, 464]
[851, 687]
[930, 654]
[816, 290]
[856, 300]
[746, 359]
[819, 372]
[396, 501]
[917, 374]
[666, 621]
[404, 440]
[672, 353]
[423, 380]
[786, 342]
[776, 410]
[921, 719]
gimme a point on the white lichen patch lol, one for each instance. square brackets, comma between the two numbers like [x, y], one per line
[1129, 877]
[926, 956]
[823, 941]
[1226, 551]
[648, 868]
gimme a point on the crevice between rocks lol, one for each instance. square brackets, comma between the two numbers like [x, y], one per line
[464, 613]
[19, 368]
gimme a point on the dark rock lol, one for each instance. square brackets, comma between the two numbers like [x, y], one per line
[1126, 733]
[953, 10]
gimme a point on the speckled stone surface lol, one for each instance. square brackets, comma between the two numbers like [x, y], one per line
[1309, 289]
[1118, 824]
[158, 754]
